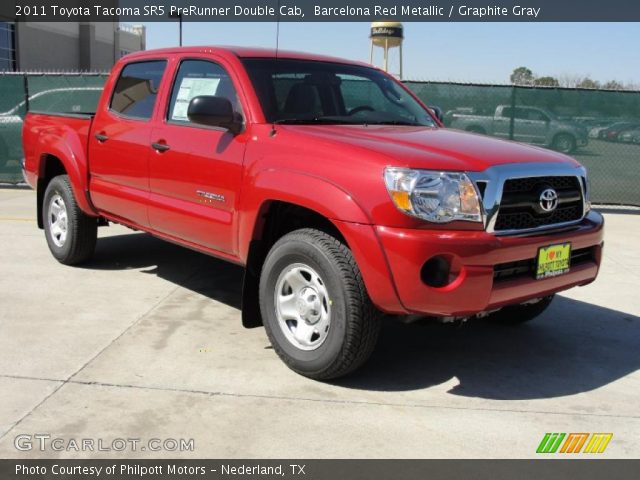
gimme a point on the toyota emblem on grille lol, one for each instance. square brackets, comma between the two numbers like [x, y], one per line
[548, 200]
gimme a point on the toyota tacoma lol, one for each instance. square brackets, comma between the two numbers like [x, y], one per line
[335, 187]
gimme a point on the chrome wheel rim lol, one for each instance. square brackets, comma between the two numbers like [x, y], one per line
[58, 220]
[303, 307]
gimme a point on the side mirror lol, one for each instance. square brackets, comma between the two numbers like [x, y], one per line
[437, 111]
[213, 112]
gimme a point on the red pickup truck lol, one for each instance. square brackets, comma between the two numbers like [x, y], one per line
[336, 187]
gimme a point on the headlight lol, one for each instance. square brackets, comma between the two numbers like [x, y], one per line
[438, 197]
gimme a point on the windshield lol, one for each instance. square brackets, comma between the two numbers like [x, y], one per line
[309, 92]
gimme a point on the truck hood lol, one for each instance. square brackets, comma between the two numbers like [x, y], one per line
[429, 148]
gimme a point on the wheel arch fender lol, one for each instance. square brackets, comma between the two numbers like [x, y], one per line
[566, 132]
[70, 152]
[314, 193]
[476, 128]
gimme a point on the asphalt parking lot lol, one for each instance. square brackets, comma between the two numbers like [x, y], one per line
[146, 342]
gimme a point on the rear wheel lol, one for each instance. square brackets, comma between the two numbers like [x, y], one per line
[4, 155]
[71, 234]
[518, 314]
[315, 307]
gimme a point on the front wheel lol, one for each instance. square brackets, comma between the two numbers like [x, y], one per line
[315, 307]
[564, 143]
[71, 234]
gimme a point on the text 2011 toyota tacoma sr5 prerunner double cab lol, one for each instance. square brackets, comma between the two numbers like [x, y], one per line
[332, 183]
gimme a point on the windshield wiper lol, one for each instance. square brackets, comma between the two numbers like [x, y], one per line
[339, 121]
[313, 120]
[397, 122]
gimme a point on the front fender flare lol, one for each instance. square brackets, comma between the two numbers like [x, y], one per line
[317, 194]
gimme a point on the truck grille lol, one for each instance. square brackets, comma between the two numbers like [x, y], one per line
[520, 204]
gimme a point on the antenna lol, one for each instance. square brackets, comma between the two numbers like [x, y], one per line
[278, 31]
[273, 125]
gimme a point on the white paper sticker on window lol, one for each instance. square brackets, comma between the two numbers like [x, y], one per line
[190, 88]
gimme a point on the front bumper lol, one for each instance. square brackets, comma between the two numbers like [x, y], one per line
[477, 254]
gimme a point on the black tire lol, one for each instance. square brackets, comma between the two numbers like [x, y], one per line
[81, 230]
[4, 155]
[354, 322]
[519, 314]
[564, 143]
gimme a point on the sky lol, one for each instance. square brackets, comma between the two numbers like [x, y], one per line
[462, 52]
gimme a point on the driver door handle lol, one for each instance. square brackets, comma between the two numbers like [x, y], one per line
[160, 147]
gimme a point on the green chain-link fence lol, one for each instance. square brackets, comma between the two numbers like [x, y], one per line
[56, 93]
[600, 128]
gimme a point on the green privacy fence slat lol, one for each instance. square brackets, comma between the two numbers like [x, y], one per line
[601, 128]
[55, 93]
[12, 111]
[64, 93]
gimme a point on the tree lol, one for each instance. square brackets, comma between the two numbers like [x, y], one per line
[569, 80]
[522, 76]
[586, 82]
[613, 85]
[546, 82]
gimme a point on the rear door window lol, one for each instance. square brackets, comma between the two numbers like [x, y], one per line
[136, 90]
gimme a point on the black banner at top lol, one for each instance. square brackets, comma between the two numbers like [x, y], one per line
[322, 10]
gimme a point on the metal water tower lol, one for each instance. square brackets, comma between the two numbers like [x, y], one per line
[387, 35]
